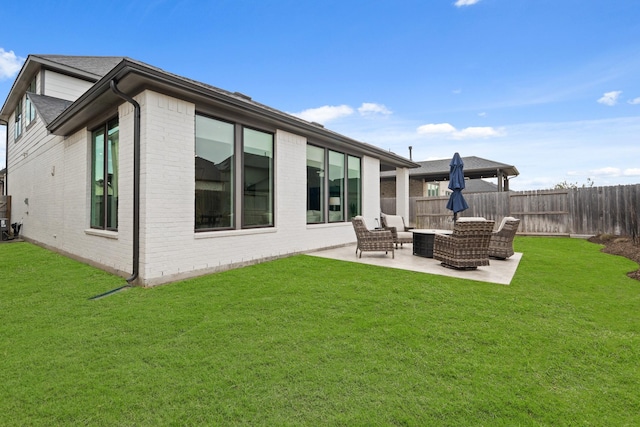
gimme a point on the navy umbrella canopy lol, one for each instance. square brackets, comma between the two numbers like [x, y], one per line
[456, 202]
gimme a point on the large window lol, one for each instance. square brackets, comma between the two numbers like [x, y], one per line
[227, 184]
[327, 196]
[257, 208]
[17, 128]
[104, 176]
[315, 184]
[354, 187]
[215, 141]
[336, 186]
[30, 109]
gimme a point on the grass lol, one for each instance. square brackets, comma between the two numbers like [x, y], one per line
[311, 341]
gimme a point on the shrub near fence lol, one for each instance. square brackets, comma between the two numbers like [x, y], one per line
[579, 211]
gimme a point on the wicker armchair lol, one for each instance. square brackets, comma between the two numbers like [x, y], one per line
[467, 247]
[395, 224]
[501, 245]
[368, 240]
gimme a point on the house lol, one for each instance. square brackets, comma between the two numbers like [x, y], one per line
[158, 177]
[431, 178]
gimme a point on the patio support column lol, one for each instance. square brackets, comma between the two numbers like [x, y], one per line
[402, 193]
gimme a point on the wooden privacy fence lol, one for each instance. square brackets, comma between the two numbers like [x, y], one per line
[579, 211]
[5, 207]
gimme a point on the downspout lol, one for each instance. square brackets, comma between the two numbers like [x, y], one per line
[136, 180]
[6, 157]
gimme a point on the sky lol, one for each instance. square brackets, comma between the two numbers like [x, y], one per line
[551, 87]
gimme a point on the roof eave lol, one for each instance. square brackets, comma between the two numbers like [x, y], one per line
[30, 67]
[72, 118]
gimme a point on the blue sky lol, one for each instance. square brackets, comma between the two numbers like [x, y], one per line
[550, 86]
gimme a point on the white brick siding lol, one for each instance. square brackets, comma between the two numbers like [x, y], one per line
[54, 174]
[171, 248]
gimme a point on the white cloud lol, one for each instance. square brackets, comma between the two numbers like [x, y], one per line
[608, 171]
[436, 129]
[615, 172]
[482, 114]
[631, 172]
[478, 132]
[466, 133]
[634, 101]
[325, 114]
[456, 91]
[460, 3]
[610, 98]
[368, 109]
[9, 64]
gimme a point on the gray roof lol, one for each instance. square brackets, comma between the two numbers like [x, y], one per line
[133, 76]
[474, 168]
[89, 68]
[96, 65]
[48, 107]
[479, 186]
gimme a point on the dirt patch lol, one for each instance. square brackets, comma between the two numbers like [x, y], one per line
[618, 245]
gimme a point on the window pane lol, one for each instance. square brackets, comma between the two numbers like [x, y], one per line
[18, 120]
[257, 207]
[97, 178]
[112, 175]
[104, 177]
[336, 186]
[315, 184]
[214, 173]
[355, 187]
[30, 108]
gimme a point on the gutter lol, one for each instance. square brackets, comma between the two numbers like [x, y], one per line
[136, 180]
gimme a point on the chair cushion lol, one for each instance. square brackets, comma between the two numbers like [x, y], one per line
[471, 218]
[394, 221]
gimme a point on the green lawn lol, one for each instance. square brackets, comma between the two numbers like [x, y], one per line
[311, 341]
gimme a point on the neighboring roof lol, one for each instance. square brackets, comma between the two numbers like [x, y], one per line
[474, 168]
[479, 186]
[48, 107]
[134, 76]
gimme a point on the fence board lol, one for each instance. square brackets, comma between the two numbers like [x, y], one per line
[5, 207]
[579, 211]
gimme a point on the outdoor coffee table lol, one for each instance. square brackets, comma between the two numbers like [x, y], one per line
[423, 241]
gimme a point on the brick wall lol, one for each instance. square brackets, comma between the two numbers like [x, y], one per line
[50, 186]
[170, 248]
[388, 188]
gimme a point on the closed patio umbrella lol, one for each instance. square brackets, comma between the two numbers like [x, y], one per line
[456, 202]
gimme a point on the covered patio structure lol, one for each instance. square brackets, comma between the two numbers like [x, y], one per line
[433, 171]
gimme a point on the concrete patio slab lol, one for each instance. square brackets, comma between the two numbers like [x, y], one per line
[499, 271]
